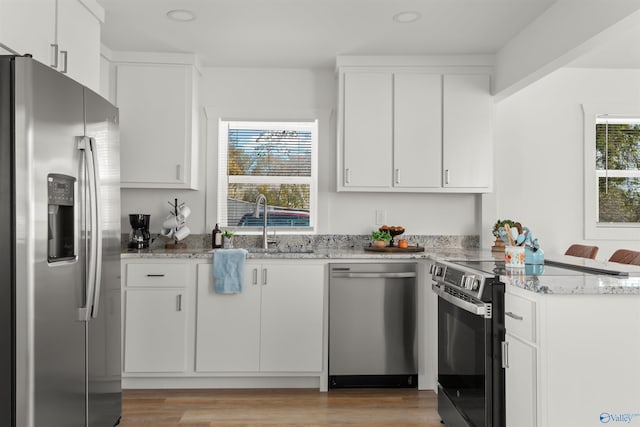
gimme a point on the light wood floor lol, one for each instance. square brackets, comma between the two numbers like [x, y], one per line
[279, 407]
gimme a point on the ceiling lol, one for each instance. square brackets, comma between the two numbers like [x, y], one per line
[311, 33]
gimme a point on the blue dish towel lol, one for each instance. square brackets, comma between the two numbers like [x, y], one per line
[228, 270]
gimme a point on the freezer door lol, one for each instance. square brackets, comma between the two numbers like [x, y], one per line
[104, 367]
[50, 336]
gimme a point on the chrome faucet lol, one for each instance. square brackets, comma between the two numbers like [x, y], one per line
[256, 214]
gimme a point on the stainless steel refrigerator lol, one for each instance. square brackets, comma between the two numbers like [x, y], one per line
[59, 251]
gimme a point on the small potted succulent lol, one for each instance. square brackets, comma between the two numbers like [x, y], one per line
[380, 239]
[227, 239]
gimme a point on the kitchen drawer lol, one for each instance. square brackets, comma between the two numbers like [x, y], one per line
[520, 317]
[170, 275]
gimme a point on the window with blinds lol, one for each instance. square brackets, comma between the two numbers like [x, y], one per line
[618, 169]
[277, 159]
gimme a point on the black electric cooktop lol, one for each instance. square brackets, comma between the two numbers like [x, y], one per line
[497, 268]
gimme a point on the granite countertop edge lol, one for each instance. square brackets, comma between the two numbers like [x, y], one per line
[340, 253]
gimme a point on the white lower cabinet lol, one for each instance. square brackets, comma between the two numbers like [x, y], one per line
[291, 317]
[274, 325]
[521, 382]
[572, 360]
[228, 335]
[156, 330]
[156, 316]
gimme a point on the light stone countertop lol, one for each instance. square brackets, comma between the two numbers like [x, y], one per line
[581, 284]
[533, 279]
[527, 279]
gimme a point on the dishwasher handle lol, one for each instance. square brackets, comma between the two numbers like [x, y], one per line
[349, 275]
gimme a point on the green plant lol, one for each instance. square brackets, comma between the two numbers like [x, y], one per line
[227, 233]
[381, 235]
[500, 223]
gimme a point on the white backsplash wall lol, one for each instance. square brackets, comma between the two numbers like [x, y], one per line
[539, 154]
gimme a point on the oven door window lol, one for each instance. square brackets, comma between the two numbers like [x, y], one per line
[464, 359]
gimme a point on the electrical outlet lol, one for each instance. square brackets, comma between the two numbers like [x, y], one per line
[381, 217]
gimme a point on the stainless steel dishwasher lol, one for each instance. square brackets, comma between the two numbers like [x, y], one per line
[372, 325]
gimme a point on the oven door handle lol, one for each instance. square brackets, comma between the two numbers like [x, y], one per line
[479, 309]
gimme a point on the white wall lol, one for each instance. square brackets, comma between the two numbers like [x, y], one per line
[539, 153]
[240, 93]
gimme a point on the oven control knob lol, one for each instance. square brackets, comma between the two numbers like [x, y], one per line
[467, 281]
[476, 285]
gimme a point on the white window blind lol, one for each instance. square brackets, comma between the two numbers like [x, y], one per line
[617, 158]
[277, 159]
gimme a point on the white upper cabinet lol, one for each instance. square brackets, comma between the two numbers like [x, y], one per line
[28, 26]
[367, 131]
[78, 42]
[158, 124]
[467, 131]
[417, 138]
[64, 34]
[417, 129]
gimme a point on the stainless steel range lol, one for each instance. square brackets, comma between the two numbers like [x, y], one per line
[470, 336]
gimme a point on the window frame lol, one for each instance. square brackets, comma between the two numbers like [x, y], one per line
[592, 228]
[224, 179]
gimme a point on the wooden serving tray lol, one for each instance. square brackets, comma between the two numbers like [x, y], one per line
[394, 249]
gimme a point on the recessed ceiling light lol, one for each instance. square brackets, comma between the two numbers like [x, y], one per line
[181, 15]
[407, 17]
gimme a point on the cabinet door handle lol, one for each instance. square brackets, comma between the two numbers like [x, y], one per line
[178, 172]
[155, 275]
[255, 276]
[505, 354]
[63, 55]
[513, 316]
[179, 302]
[54, 55]
[397, 176]
[446, 176]
[347, 176]
[264, 276]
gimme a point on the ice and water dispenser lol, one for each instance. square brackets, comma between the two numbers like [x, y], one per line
[61, 238]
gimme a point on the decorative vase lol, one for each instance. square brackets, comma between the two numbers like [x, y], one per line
[227, 242]
[514, 256]
[533, 256]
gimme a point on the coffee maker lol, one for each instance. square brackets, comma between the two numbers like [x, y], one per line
[139, 236]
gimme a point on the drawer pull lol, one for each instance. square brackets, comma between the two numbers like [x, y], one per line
[155, 275]
[514, 316]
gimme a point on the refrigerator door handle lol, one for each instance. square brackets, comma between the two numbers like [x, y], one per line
[87, 146]
[97, 198]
